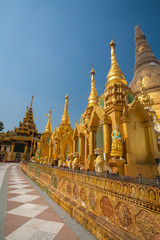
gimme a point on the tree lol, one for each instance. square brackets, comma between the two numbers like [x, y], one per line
[1, 126]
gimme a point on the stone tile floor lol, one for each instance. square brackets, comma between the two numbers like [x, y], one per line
[31, 215]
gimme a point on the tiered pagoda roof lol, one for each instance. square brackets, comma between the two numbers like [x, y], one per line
[27, 127]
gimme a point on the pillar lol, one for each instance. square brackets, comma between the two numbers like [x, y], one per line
[81, 148]
[86, 150]
[126, 142]
[25, 151]
[153, 144]
[91, 149]
[91, 142]
[12, 150]
[106, 141]
[74, 145]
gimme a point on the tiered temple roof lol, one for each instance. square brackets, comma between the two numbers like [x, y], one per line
[27, 127]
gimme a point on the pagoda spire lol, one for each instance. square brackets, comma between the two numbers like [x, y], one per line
[26, 112]
[48, 128]
[65, 117]
[31, 102]
[93, 98]
[115, 74]
[147, 66]
[143, 51]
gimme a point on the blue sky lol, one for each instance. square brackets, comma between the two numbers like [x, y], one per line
[47, 47]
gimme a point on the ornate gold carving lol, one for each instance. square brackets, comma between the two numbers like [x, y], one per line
[95, 201]
[69, 189]
[75, 191]
[107, 207]
[152, 196]
[124, 215]
[83, 195]
[147, 225]
[133, 191]
[142, 193]
[92, 200]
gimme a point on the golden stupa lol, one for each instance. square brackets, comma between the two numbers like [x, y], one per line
[93, 97]
[146, 71]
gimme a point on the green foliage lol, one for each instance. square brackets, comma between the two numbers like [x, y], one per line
[1, 126]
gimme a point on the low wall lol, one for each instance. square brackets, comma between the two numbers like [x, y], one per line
[109, 209]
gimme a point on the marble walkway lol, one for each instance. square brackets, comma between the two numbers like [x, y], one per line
[30, 214]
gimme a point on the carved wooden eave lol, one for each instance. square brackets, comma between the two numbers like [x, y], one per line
[103, 117]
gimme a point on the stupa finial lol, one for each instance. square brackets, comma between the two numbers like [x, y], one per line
[115, 74]
[31, 101]
[48, 128]
[93, 97]
[65, 117]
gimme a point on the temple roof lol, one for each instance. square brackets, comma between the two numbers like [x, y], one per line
[27, 126]
[147, 66]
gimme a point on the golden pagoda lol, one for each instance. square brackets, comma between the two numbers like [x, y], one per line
[43, 148]
[61, 143]
[22, 142]
[65, 117]
[118, 126]
[93, 98]
[115, 136]
[84, 133]
[146, 70]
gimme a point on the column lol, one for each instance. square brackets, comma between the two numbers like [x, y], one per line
[91, 142]
[80, 148]
[25, 151]
[153, 144]
[74, 145]
[50, 153]
[106, 141]
[126, 142]
[91, 149]
[12, 150]
[86, 150]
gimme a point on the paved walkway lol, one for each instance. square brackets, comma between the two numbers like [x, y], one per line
[27, 213]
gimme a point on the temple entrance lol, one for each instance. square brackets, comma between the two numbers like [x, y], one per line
[18, 157]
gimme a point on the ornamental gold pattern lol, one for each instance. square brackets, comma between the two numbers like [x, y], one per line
[109, 209]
